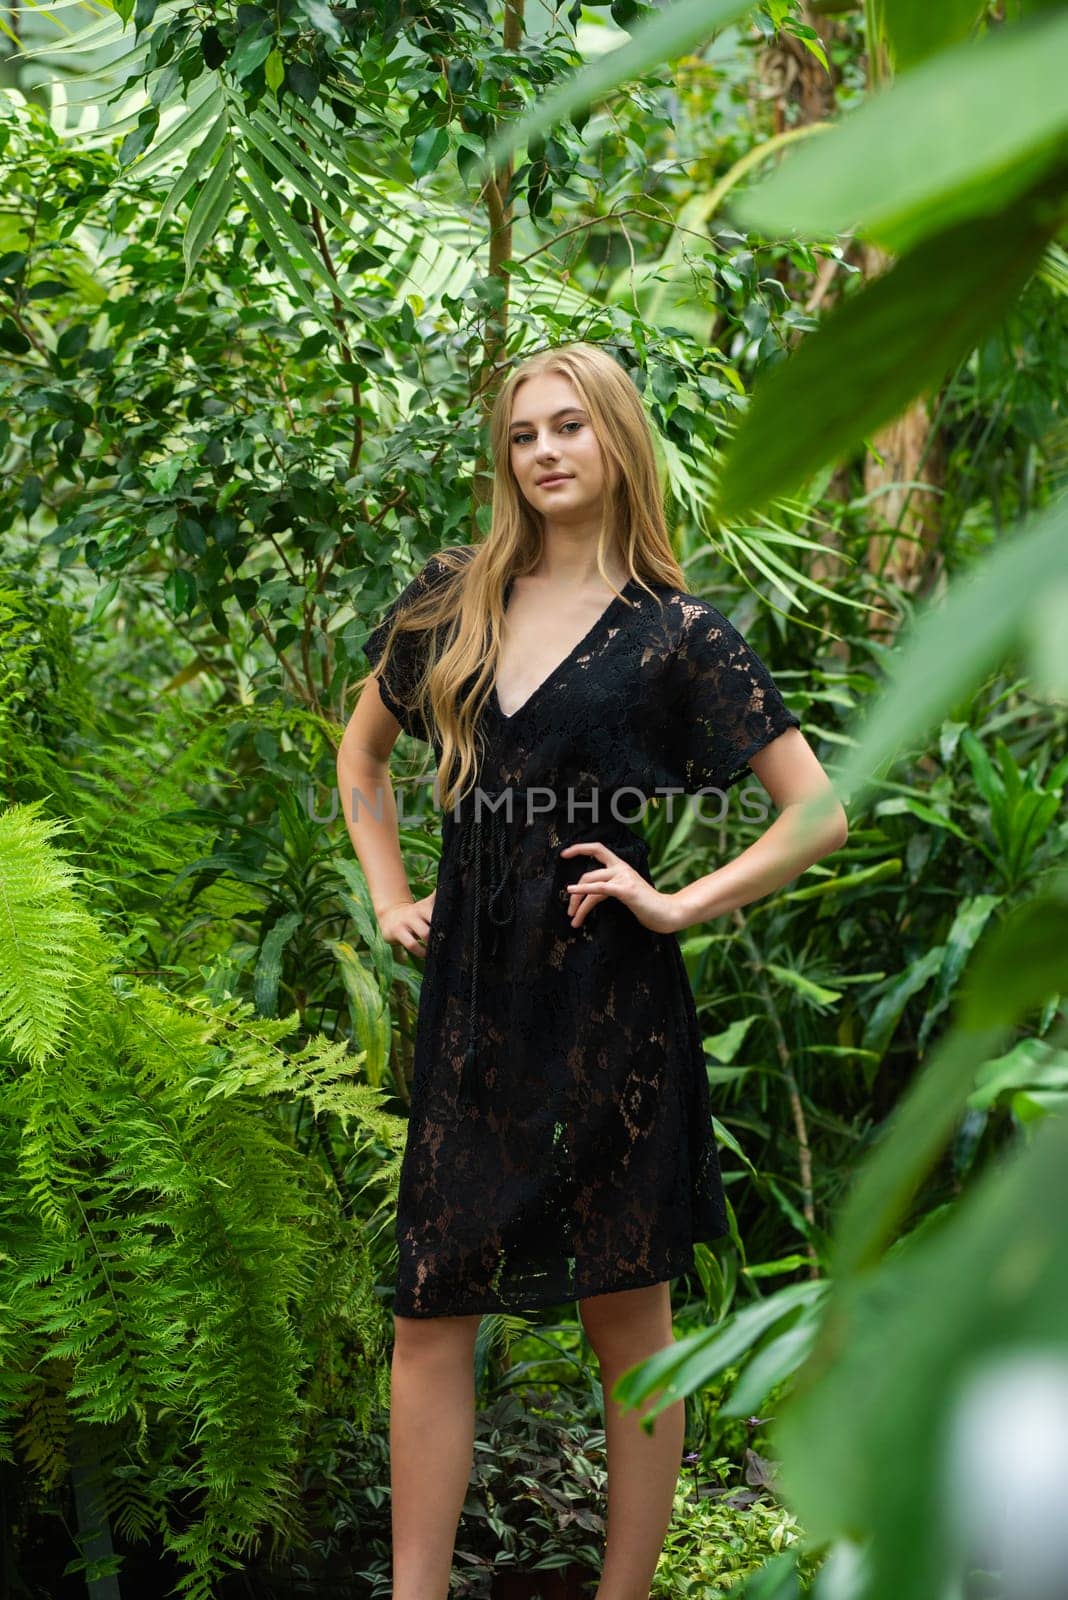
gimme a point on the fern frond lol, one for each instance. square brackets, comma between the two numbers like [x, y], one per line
[50, 948]
[173, 1261]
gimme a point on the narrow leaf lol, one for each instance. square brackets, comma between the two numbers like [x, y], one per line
[181, 136]
[213, 202]
[284, 226]
[198, 163]
[281, 255]
[311, 187]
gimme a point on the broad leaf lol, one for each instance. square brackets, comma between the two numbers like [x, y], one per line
[870, 1441]
[916, 28]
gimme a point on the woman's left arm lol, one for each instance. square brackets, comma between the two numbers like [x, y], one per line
[812, 823]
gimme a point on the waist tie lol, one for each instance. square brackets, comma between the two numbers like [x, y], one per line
[483, 836]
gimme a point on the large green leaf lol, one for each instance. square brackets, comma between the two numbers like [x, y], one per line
[691, 1363]
[1021, 964]
[880, 349]
[916, 28]
[961, 134]
[867, 1438]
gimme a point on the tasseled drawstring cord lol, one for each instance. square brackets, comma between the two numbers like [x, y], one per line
[500, 907]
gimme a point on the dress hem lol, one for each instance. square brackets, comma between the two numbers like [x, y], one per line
[663, 1275]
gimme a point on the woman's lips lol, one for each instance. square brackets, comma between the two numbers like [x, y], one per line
[547, 483]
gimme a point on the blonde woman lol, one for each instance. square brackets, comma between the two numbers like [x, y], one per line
[560, 1143]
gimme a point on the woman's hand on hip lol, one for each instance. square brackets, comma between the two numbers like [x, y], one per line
[616, 879]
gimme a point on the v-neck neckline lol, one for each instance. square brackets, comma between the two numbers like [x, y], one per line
[510, 716]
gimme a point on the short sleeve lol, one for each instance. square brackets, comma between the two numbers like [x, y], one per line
[405, 666]
[727, 706]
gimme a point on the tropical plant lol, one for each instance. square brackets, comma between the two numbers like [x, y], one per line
[245, 356]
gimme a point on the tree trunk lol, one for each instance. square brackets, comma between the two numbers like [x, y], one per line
[905, 551]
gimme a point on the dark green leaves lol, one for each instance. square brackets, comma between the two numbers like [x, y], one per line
[303, 81]
[29, 496]
[212, 48]
[72, 341]
[180, 591]
[139, 138]
[251, 50]
[428, 148]
[12, 338]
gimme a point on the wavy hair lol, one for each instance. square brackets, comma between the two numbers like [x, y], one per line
[464, 611]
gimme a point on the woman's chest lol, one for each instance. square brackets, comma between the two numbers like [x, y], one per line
[602, 714]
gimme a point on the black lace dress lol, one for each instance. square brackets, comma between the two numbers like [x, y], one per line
[560, 1140]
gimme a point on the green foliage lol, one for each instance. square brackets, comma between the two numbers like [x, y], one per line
[717, 1541]
[1005, 1280]
[870, 1443]
[972, 199]
[926, 155]
[661, 37]
[49, 950]
[952, 647]
[247, 336]
[172, 1265]
[895, 340]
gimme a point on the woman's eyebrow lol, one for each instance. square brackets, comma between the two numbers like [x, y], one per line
[562, 412]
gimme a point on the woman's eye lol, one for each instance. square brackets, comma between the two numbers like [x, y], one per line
[518, 438]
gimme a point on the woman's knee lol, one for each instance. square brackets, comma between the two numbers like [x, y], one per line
[629, 1324]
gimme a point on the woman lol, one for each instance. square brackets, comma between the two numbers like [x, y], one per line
[560, 1141]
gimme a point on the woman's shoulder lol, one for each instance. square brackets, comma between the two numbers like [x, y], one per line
[685, 615]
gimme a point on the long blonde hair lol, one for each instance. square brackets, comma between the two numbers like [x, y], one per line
[459, 663]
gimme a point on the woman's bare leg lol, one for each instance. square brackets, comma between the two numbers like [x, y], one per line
[431, 1447]
[643, 1469]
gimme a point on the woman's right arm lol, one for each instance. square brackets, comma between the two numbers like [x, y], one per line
[370, 812]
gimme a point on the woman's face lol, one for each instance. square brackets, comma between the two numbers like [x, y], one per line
[551, 435]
